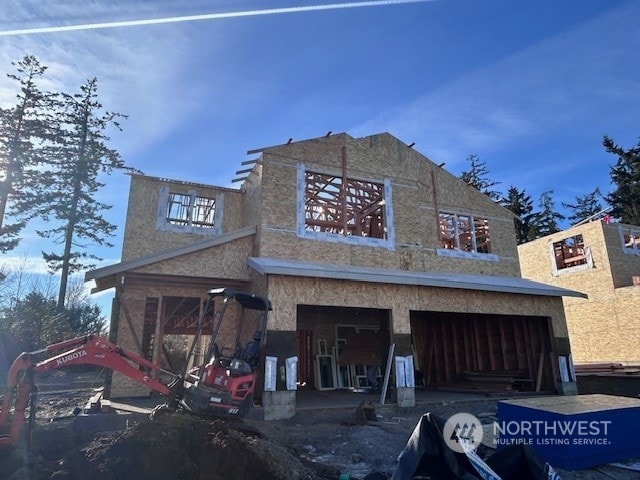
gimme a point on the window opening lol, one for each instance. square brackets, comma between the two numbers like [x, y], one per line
[178, 211]
[570, 252]
[481, 229]
[352, 208]
[191, 210]
[630, 240]
[466, 233]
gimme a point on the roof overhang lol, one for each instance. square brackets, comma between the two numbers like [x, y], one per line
[485, 283]
[106, 277]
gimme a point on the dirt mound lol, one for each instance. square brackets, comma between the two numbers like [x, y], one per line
[172, 446]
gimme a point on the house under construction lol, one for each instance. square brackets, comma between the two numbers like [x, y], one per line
[602, 259]
[363, 246]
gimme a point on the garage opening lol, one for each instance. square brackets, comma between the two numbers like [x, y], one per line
[483, 353]
[335, 345]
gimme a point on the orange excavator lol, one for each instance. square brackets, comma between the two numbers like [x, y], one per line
[219, 384]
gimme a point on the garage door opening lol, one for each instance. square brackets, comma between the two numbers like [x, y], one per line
[483, 353]
[336, 344]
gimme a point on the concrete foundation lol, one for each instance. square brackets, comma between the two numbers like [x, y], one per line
[279, 405]
[568, 388]
[406, 397]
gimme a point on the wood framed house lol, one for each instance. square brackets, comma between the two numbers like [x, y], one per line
[350, 238]
[602, 260]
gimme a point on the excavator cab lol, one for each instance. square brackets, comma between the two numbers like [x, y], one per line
[223, 385]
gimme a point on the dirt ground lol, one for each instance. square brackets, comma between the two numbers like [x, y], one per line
[317, 444]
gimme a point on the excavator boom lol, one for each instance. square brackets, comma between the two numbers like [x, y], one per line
[86, 350]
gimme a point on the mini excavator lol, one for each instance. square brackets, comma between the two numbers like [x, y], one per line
[222, 385]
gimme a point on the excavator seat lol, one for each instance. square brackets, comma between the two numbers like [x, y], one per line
[251, 352]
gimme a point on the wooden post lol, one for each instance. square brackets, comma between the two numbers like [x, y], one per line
[427, 379]
[125, 310]
[343, 191]
[436, 207]
[387, 373]
[540, 367]
[157, 340]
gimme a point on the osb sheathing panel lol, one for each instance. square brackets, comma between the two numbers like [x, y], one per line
[378, 158]
[286, 293]
[279, 193]
[141, 236]
[251, 213]
[228, 260]
[606, 330]
[537, 264]
[604, 327]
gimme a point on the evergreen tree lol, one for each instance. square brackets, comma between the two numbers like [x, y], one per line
[23, 129]
[35, 321]
[625, 175]
[586, 206]
[547, 220]
[32, 322]
[477, 177]
[83, 316]
[522, 206]
[82, 154]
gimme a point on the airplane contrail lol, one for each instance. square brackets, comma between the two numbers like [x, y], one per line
[206, 16]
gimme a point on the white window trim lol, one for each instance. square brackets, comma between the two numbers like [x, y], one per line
[556, 272]
[388, 243]
[161, 219]
[456, 253]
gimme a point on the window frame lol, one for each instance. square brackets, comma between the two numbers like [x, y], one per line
[459, 224]
[190, 223]
[303, 230]
[579, 244]
[634, 240]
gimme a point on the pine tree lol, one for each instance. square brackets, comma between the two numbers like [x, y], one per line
[477, 177]
[547, 220]
[522, 206]
[35, 321]
[586, 206]
[23, 129]
[82, 154]
[625, 174]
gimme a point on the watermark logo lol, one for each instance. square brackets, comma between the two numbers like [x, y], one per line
[462, 431]
[552, 432]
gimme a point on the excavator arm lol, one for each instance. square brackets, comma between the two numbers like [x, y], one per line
[86, 350]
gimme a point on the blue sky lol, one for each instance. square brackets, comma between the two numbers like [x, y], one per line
[530, 87]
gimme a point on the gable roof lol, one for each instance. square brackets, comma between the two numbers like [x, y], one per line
[112, 270]
[383, 138]
[484, 283]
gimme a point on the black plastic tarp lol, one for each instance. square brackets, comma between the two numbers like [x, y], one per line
[426, 455]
